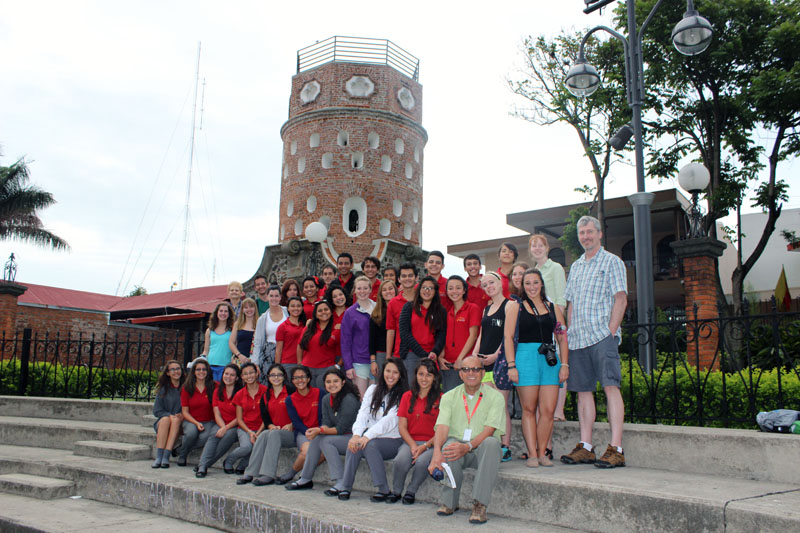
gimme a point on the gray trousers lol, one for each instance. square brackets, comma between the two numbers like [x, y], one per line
[242, 453]
[450, 380]
[216, 447]
[333, 447]
[485, 459]
[402, 464]
[194, 438]
[380, 358]
[376, 452]
[411, 362]
[267, 450]
[317, 377]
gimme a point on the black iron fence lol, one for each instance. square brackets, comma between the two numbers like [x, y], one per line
[123, 367]
[710, 372]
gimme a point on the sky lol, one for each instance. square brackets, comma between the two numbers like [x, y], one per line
[97, 96]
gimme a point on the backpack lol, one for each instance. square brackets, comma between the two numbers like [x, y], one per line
[777, 421]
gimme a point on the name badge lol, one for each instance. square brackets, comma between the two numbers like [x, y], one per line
[467, 434]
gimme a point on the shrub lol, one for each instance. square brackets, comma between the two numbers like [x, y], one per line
[62, 381]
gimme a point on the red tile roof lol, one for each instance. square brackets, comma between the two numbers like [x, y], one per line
[200, 299]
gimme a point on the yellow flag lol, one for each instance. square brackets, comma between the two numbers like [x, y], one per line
[782, 296]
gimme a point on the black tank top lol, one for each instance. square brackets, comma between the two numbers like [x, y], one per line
[533, 327]
[492, 330]
[244, 341]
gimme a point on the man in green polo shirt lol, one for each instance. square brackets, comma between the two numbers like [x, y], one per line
[472, 418]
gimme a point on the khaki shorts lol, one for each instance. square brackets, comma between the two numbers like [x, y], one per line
[592, 364]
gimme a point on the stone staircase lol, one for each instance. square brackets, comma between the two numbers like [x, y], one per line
[677, 479]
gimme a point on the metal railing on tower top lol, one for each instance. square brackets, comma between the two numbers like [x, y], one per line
[358, 50]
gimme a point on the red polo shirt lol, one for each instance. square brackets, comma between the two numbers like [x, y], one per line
[307, 406]
[337, 319]
[393, 310]
[227, 411]
[446, 302]
[376, 285]
[506, 280]
[198, 404]
[458, 325]
[308, 308]
[290, 335]
[477, 296]
[421, 331]
[316, 356]
[420, 423]
[251, 414]
[277, 407]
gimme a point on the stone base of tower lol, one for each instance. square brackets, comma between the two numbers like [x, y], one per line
[300, 258]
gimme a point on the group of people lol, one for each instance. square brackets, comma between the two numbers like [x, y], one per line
[417, 371]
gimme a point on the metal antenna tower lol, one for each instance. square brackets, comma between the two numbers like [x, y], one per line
[184, 256]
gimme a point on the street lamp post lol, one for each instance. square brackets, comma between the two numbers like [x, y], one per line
[691, 36]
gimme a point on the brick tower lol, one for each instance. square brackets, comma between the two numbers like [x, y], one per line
[352, 157]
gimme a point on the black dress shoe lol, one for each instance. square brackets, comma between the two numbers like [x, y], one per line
[331, 492]
[229, 470]
[164, 465]
[195, 468]
[244, 480]
[296, 485]
[156, 464]
[344, 495]
[239, 471]
[392, 498]
[181, 461]
[378, 497]
[286, 478]
[200, 473]
[262, 481]
[409, 499]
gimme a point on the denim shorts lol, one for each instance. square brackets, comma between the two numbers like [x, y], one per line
[592, 364]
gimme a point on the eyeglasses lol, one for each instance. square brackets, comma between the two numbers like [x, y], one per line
[300, 378]
[201, 369]
[174, 369]
[469, 370]
[276, 375]
[427, 288]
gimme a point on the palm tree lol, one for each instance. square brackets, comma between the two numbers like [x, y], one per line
[19, 203]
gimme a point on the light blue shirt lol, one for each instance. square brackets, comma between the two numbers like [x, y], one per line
[590, 292]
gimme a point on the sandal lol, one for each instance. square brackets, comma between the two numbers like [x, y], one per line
[523, 456]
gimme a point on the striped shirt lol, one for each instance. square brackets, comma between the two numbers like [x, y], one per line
[590, 292]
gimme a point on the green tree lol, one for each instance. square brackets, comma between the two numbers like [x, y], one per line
[736, 107]
[19, 205]
[138, 290]
[595, 120]
[569, 237]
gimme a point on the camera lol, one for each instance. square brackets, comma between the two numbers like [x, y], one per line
[548, 350]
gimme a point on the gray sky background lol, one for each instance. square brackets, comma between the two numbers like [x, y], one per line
[97, 95]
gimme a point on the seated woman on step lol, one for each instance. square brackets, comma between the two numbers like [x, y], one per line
[167, 410]
[196, 408]
[224, 416]
[339, 411]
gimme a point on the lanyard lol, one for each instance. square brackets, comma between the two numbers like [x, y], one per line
[466, 407]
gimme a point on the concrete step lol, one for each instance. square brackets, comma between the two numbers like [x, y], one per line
[739, 453]
[121, 451]
[219, 503]
[714, 451]
[40, 487]
[63, 434]
[115, 411]
[20, 514]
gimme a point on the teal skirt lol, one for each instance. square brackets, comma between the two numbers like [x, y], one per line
[532, 366]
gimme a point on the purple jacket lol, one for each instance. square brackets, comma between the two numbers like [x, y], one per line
[354, 337]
